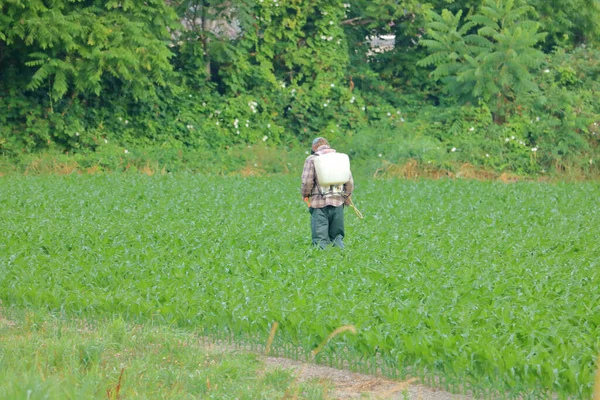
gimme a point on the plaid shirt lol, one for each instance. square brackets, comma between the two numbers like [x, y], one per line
[310, 186]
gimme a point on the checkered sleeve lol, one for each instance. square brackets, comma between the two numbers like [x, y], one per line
[308, 177]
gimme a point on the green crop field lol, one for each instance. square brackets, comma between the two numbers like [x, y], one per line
[483, 284]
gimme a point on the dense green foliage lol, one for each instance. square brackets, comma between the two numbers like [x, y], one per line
[492, 65]
[209, 74]
[493, 285]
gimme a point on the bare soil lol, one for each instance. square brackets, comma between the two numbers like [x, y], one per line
[341, 383]
[345, 384]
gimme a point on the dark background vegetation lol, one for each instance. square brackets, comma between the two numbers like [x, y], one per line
[243, 85]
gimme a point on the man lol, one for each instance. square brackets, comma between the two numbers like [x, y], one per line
[326, 202]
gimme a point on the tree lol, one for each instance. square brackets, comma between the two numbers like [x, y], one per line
[368, 20]
[569, 22]
[450, 49]
[75, 45]
[492, 64]
[211, 26]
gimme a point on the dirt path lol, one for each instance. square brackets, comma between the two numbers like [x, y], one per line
[350, 385]
[343, 384]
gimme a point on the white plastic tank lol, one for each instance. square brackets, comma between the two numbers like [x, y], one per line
[332, 169]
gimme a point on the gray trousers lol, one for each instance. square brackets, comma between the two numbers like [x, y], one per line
[327, 226]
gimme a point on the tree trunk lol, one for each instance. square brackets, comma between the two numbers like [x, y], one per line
[205, 40]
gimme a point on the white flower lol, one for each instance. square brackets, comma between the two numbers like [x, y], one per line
[346, 5]
[534, 149]
[546, 70]
[507, 140]
[471, 129]
[256, 165]
[353, 99]
[453, 149]
[120, 119]
[126, 151]
[363, 108]
[330, 38]
[380, 155]
[398, 112]
[237, 132]
[269, 126]
[332, 85]
[306, 152]
[203, 104]
[324, 104]
[339, 41]
[512, 137]
[537, 118]
[76, 133]
[126, 122]
[323, 37]
[402, 119]
[487, 155]
[265, 138]
[247, 125]
[324, 12]
[389, 114]
[282, 84]
[190, 96]
[591, 161]
[105, 140]
[217, 122]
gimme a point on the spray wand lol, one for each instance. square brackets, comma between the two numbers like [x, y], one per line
[358, 213]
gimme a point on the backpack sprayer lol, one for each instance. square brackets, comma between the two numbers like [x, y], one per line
[333, 171]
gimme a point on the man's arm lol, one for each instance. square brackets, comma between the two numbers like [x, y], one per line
[308, 177]
[348, 189]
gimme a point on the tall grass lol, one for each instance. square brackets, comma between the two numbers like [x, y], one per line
[45, 356]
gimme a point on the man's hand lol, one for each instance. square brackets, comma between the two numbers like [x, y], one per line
[347, 201]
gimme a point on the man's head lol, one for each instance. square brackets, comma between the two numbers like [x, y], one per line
[318, 142]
